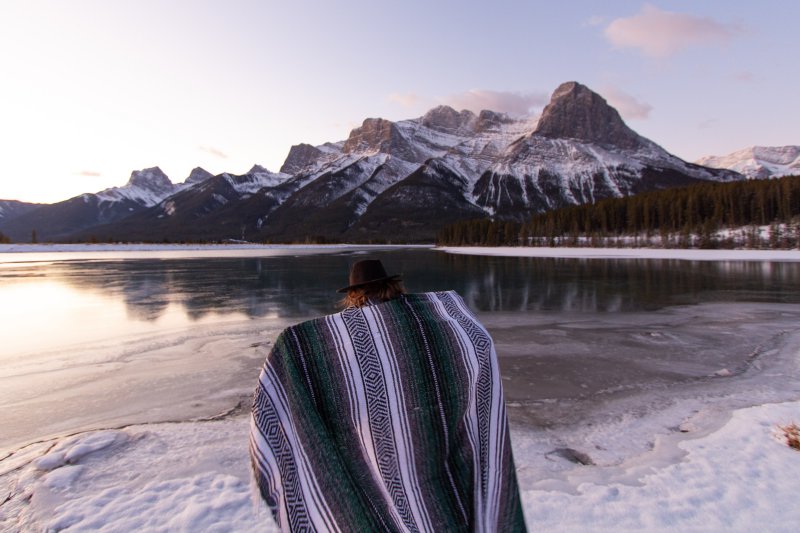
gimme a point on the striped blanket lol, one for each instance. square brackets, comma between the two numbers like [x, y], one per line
[388, 417]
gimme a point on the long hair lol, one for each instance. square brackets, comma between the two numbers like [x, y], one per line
[382, 291]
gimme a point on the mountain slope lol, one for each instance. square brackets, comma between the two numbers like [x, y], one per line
[13, 208]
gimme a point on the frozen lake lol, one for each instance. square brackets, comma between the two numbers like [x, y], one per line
[102, 340]
[620, 363]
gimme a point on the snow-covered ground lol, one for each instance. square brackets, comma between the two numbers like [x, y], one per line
[194, 477]
[742, 477]
[628, 253]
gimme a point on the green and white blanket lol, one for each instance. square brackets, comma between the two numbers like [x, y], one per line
[388, 417]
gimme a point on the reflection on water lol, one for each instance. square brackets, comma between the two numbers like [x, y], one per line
[591, 285]
[305, 285]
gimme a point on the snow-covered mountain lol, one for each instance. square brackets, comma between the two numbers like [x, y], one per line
[13, 208]
[410, 177]
[759, 162]
[580, 151]
[256, 179]
[403, 181]
[197, 175]
[145, 188]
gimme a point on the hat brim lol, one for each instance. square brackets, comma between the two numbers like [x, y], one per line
[396, 277]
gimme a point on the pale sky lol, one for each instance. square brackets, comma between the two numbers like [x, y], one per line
[93, 89]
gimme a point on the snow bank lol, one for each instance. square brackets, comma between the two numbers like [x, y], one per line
[194, 477]
[740, 478]
[629, 253]
[191, 477]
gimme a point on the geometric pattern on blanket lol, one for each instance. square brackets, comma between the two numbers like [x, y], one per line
[387, 417]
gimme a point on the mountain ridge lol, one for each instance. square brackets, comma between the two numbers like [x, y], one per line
[402, 180]
[759, 162]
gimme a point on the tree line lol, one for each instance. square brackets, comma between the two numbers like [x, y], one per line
[753, 213]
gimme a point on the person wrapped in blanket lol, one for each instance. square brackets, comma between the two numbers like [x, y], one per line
[387, 416]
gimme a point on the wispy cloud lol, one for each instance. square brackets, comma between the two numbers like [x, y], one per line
[744, 76]
[657, 33]
[213, 151]
[513, 103]
[628, 106]
[89, 173]
[476, 100]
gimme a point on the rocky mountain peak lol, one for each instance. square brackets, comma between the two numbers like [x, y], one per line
[258, 169]
[374, 134]
[151, 179]
[378, 135]
[198, 174]
[300, 155]
[491, 120]
[445, 118]
[577, 112]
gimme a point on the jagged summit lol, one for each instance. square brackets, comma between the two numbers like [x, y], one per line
[577, 112]
[258, 169]
[491, 121]
[374, 134]
[378, 135]
[198, 175]
[299, 156]
[151, 179]
[145, 187]
[445, 118]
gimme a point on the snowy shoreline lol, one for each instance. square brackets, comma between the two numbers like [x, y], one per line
[194, 476]
[628, 253]
[200, 250]
[8, 251]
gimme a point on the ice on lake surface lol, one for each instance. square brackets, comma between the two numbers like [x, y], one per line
[602, 360]
[98, 341]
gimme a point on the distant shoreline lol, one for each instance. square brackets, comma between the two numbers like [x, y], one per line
[628, 253]
[11, 254]
[687, 254]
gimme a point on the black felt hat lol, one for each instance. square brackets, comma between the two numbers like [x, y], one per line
[366, 272]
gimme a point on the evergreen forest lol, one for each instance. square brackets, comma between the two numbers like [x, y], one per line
[742, 214]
